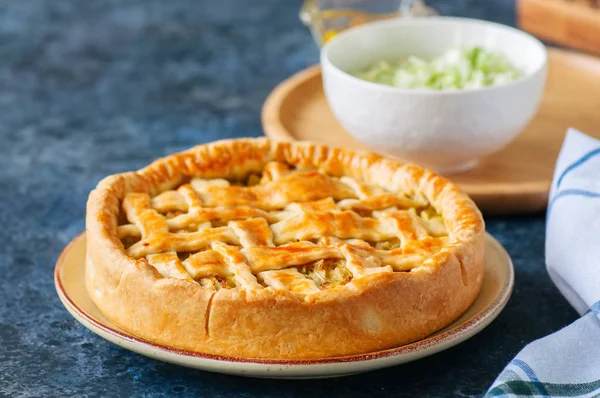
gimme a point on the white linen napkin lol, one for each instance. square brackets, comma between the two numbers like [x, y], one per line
[567, 363]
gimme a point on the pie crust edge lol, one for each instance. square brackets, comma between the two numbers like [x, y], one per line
[376, 312]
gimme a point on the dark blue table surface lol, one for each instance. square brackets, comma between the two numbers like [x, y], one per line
[91, 88]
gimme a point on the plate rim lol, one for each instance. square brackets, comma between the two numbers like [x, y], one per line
[478, 322]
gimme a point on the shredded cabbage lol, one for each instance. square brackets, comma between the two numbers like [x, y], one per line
[456, 69]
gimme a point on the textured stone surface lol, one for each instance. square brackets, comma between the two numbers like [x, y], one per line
[90, 88]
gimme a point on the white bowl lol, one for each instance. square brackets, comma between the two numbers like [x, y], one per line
[448, 130]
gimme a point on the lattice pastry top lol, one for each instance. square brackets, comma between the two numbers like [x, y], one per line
[211, 248]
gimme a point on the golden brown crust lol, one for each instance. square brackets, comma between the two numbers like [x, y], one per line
[370, 313]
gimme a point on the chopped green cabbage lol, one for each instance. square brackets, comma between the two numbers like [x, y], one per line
[455, 69]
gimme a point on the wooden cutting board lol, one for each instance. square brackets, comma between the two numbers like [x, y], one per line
[570, 23]
[515, 180]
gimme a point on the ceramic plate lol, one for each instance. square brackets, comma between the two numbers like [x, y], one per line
[496, 290]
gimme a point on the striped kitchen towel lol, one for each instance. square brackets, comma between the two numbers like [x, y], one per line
[567, 363]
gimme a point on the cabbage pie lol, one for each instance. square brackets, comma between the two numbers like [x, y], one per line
[266, 249]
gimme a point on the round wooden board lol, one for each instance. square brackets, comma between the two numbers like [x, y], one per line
[515, 180]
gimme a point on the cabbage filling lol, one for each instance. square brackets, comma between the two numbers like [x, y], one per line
[327, 273]
[217, 282]
[456, 69]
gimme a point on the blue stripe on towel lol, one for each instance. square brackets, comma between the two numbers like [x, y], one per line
[595, 308]
[576, 164]
[572, 192]
[531, 374]
[525, 368]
